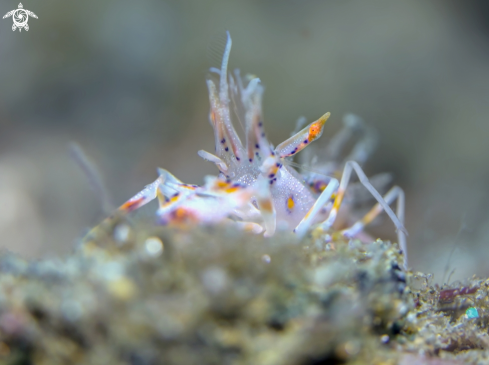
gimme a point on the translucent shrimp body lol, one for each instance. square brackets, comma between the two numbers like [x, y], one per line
[256, 188]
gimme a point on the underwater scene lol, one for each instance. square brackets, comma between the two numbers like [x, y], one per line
[244, 182]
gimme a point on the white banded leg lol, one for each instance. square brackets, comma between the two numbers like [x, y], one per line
[345, 179]
[394, 194]
[323, 199]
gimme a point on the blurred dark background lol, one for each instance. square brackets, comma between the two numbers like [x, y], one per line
[126, 80]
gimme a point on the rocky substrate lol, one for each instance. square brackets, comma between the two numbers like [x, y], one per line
[138, 294]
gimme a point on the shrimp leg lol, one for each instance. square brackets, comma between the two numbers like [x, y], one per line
[308, 219]
[396, 193]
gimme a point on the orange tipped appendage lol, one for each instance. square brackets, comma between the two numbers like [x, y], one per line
[131, 205]
[301, 140]
[316, 128]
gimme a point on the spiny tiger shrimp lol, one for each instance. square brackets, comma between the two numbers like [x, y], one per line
[257, 189]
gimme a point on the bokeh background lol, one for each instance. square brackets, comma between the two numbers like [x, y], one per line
[125, 79]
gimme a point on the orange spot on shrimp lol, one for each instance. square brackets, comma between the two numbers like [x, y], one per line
[319, 186]
[180, 213]
[188, 186]
[227, 186]
[272, 172]
[183, 215]
[266, 205]
[222, 184]
[233, 189]
[338, 200]
[173, 199]
[290, 203]
[316, 128]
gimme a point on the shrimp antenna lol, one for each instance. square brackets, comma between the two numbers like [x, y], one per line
[93, 176]
[461, 230]
[215, 50]
[303, 167]
[223, 84]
